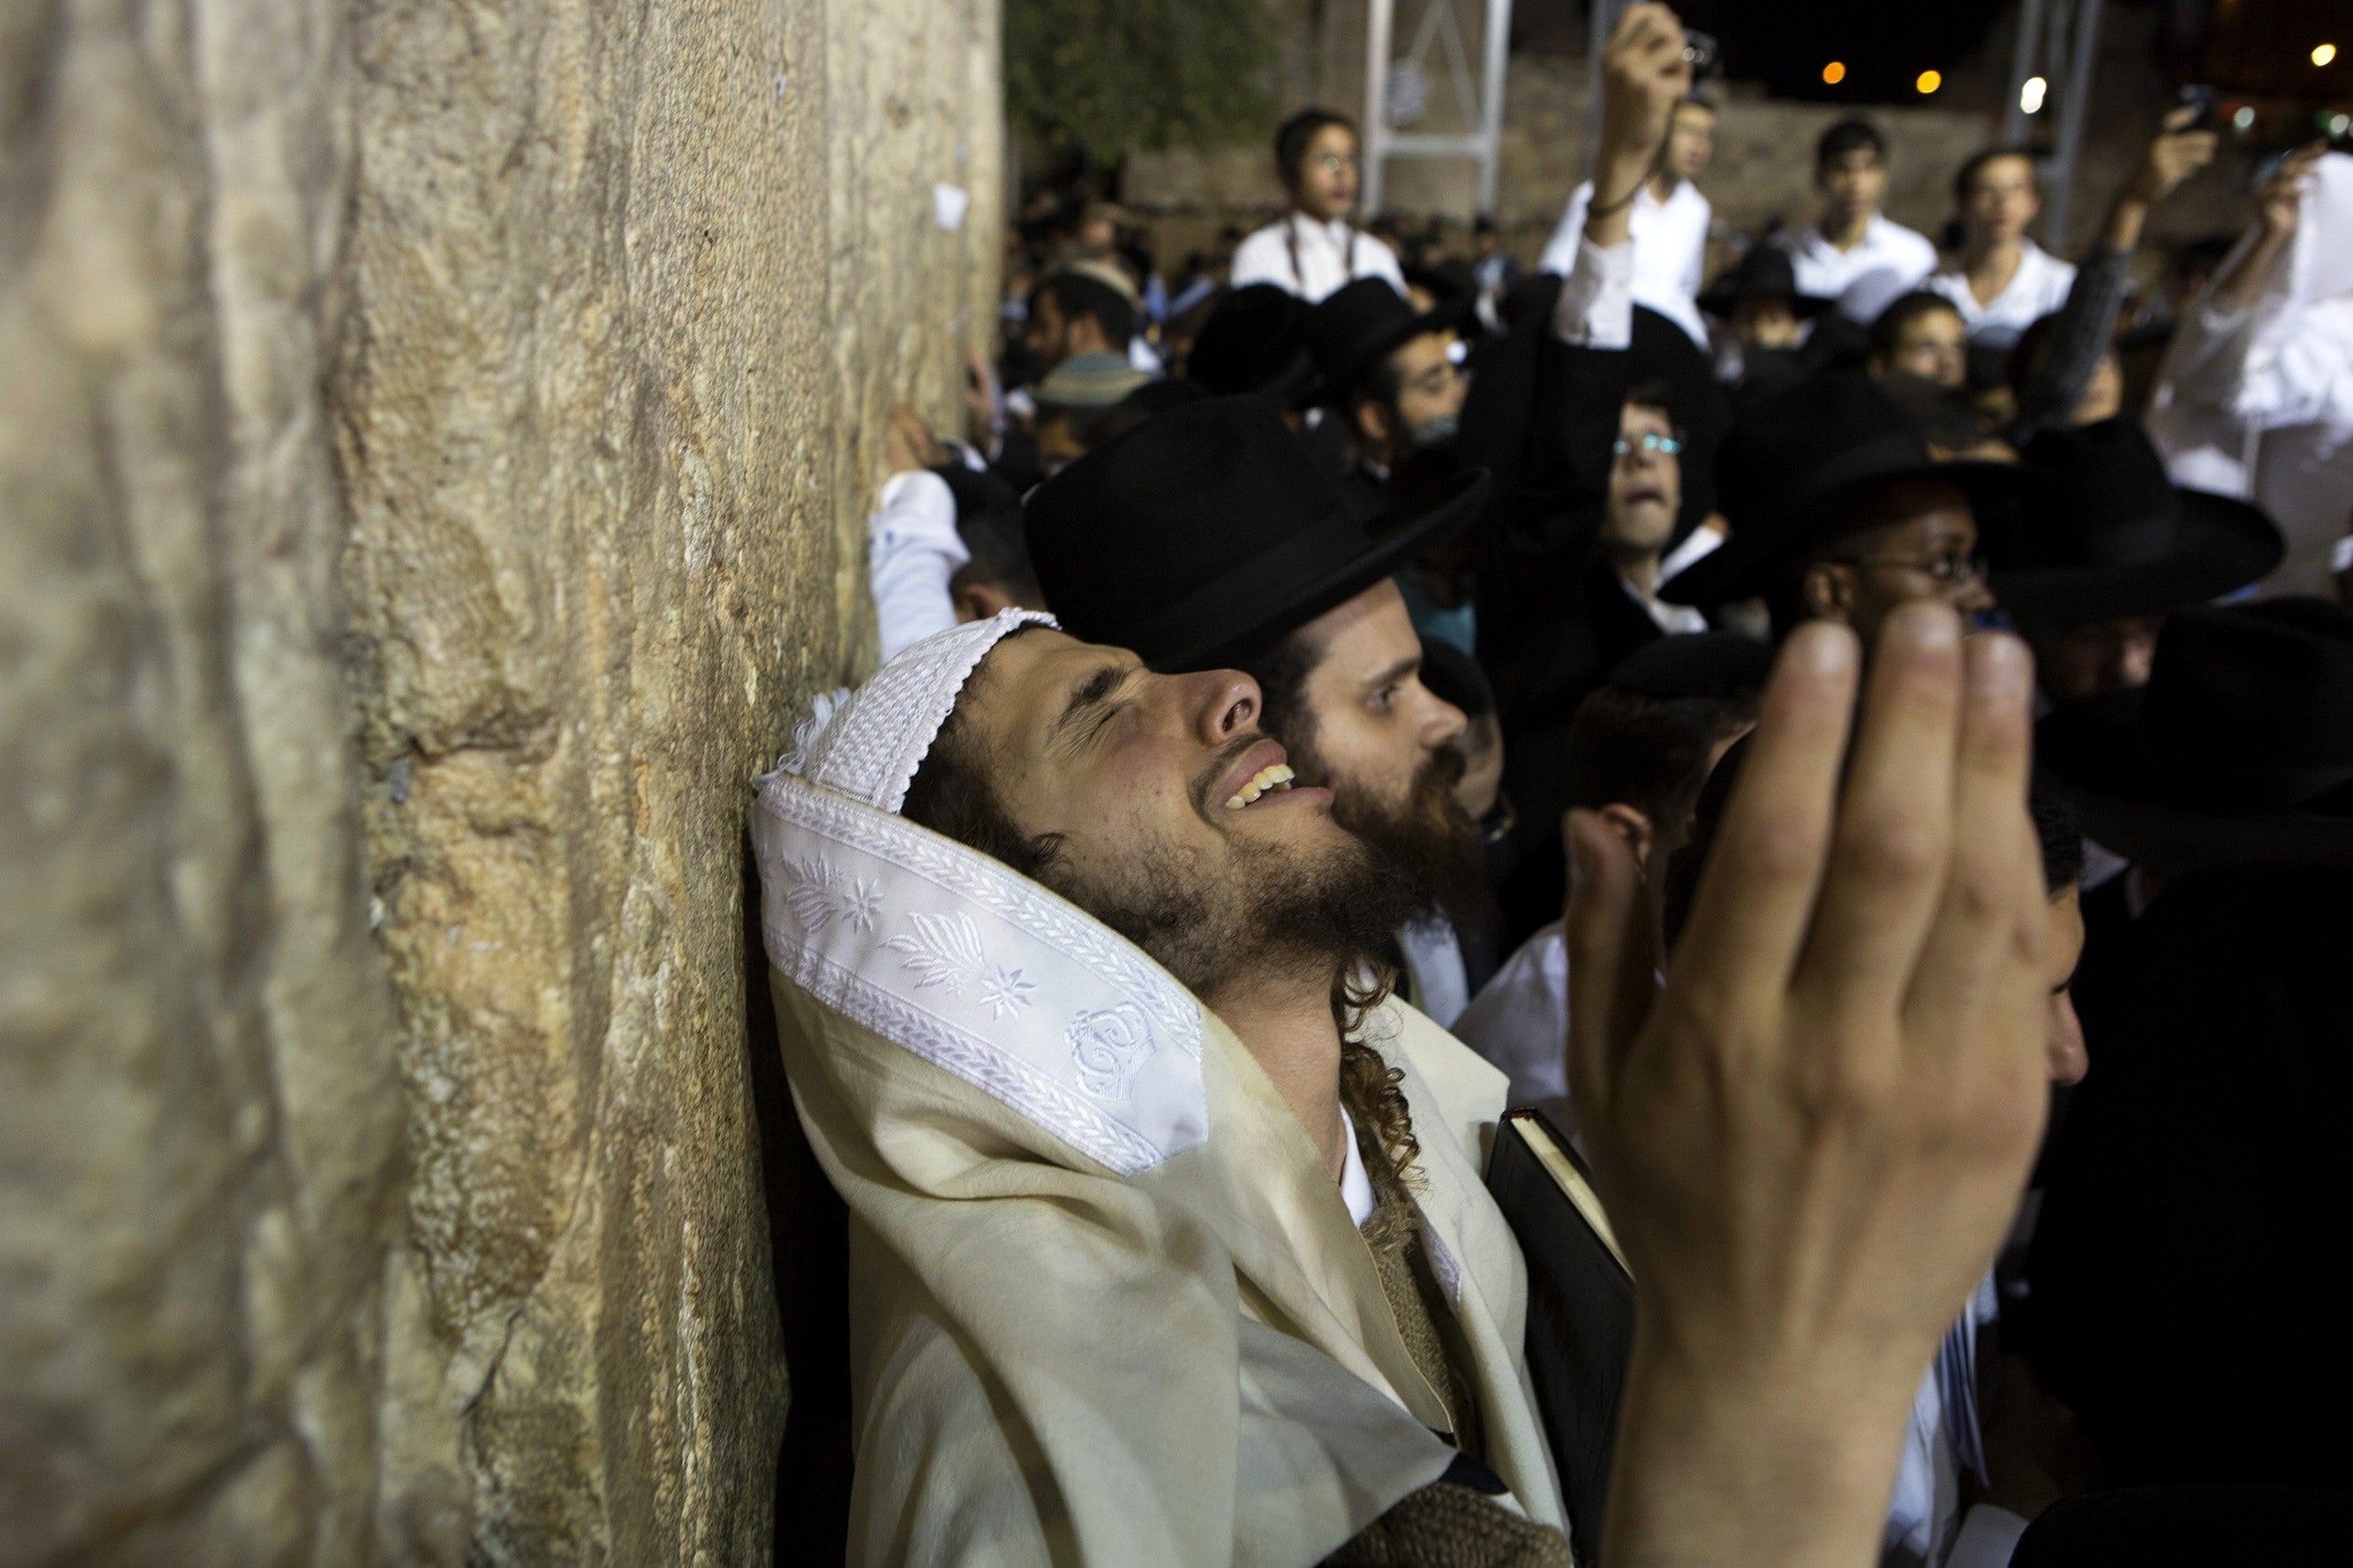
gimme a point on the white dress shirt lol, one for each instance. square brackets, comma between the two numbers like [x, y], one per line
[1595, 307]
[1670, 249]
[1311, 259]
[1675, 620]
[1925, 1521]
[1889, 260]
[1696, 546]
[1356, 1181]
[913, 549]
[2034, 291]
[1519, 1021]
[1435, 968]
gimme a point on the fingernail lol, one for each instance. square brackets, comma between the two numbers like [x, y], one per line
[1925, 623]
[1999, 665]
[1822, 647]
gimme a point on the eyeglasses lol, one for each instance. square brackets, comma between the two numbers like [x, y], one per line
[1953, 568]
[1665, 446]
[1332, 162]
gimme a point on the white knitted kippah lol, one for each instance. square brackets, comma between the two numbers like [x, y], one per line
[868, 743]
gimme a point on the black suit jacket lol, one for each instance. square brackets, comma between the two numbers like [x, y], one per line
[1553, 620]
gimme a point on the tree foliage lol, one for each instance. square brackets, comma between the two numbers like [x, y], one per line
[1122, 73]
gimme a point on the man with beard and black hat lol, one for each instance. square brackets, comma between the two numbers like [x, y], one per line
[1208, 537]
[2191, 1266]
[1392, 374]
[1840, 512]
[1168, 1242]
[2113, 548]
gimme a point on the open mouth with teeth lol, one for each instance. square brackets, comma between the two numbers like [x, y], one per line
[1275, 780]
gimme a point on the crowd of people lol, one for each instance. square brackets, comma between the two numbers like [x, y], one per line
[1858, 751]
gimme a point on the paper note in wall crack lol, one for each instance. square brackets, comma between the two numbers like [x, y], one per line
[948, 206]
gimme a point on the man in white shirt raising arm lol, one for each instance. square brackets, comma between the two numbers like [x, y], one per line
[1668, 217]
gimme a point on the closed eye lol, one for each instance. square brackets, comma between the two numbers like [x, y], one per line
[1090, 707]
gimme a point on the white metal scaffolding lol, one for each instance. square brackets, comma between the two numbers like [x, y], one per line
[1397, 90]
[2059, 41]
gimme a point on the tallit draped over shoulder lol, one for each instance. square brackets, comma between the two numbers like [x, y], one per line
[1107, 1306]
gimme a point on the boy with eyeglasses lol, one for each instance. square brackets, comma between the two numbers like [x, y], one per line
[1555, 621]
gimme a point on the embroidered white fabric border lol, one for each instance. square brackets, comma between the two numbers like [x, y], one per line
[868, 745]
[982, 972]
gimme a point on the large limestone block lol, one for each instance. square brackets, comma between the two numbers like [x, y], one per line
[434, 445]
[628, 309]
[199, 1120]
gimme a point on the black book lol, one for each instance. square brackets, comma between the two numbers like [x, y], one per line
[1581, 1308]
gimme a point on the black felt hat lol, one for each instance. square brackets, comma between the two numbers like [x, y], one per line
[1722, 666]
[2115, 537]
[2239, 749]
[1795, 457]
[1764, 273]
[1208, 533]
[1355, 325]
[1251, 343]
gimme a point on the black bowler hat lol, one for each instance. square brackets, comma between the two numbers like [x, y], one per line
[1791, 462]
[1724, 667]
[1764, 273]
[2239, 749]
[1251, 344]
[1204, 535]
[2114, 538]
[1358, 324]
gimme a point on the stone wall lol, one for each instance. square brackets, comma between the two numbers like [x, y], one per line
[433, 444]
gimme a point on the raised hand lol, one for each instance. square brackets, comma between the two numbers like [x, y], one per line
[980, 400]
[1813, 1137]
[1643, 75]
[2175, 155]
[2282, 197]
[908, 442]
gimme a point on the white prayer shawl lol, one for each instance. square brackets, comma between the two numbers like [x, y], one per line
[1107, 1304]
[2258, 402]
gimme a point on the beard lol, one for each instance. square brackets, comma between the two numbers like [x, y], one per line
[1259, 908]
[1427, 840]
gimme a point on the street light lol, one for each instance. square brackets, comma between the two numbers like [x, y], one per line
[1929, 81]
[2030, 93]
[2324, 53]
[1834, 72]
